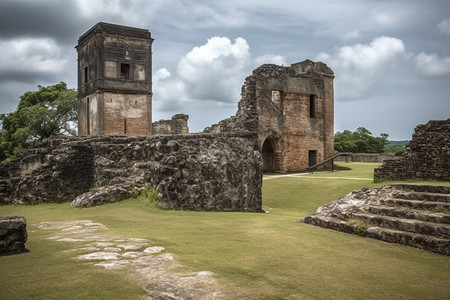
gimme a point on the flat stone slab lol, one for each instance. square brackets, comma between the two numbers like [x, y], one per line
[144, 261]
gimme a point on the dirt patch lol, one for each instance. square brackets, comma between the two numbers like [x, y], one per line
[149, 264]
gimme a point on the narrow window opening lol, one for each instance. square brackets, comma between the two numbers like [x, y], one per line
[88, 115]
[86, 74]
[124, 71]
[125, 126]
[312, 106]
[312, 157]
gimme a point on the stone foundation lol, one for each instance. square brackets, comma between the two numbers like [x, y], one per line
[427, 156]
[13, 235]
[194, 172]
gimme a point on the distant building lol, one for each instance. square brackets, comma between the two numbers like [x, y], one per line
[115, 81]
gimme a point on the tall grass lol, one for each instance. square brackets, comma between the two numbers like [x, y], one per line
[254, 255]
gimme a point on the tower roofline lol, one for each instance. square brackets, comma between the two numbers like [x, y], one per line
[109, 28]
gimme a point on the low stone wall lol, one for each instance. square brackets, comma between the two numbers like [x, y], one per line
[195, 172]
[13, 235]
[427, 156]
[366, 157]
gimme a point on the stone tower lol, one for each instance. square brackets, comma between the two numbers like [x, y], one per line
[290, 110]
[114, 81]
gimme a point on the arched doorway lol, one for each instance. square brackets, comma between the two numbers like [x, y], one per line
[268, 155]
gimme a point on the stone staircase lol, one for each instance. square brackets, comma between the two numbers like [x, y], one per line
[408, 214]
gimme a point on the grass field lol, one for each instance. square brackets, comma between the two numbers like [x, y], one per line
[254, 255]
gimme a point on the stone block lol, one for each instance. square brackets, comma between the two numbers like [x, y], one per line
[13, 235]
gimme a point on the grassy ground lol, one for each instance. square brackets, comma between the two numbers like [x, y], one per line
[256, 256]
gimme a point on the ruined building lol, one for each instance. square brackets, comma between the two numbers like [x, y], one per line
[114, 81]
[292, 111]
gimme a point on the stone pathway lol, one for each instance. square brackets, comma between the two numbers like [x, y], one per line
[149, 264]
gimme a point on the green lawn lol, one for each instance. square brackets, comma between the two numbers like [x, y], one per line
[255, 255]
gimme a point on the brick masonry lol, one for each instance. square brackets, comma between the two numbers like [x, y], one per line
[292, 111]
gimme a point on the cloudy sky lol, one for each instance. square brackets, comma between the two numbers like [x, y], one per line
[391, 58]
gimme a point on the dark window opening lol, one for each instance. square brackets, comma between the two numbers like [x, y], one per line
[312, 106]
[312, 157]
[88, 115]
[124, 71]
[268, 155]
[86, 74]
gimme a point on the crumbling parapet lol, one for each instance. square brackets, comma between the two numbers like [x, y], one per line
[427, 155]
[177, 125]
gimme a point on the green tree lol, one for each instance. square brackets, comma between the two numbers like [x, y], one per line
[50, 110]
[360, 141]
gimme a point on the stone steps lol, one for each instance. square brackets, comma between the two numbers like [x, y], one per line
[418, 204]
[408, 213]
[412, 215]
[409, 225]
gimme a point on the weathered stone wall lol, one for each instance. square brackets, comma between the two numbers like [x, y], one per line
[13, 235]
[177, 125]
[195, 172]
[292, 111]
[366, 157]
[427, 156]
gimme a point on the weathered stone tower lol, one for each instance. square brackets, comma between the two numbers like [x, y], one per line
[291, 112]
[114, 81]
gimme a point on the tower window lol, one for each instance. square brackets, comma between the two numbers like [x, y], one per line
[124, 71]
[86, 74]
[312, 106]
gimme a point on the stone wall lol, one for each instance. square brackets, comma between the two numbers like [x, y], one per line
[177, 125]
[195, 172]
[427, 156]
[366, 157]
[292, 111]
[13, 235]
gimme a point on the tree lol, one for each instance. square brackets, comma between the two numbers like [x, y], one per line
[360, 141]
[50, 110]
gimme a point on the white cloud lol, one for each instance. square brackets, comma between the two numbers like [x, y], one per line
[31, 55]
[444, 27]
[215, 70]
[358, 68]
[432, 64]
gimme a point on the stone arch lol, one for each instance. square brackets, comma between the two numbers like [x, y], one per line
[271, 154]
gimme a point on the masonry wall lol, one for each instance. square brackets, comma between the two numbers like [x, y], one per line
[195, 172]
[292, 111]
[114, 81]
[427, 156]
[177, 125]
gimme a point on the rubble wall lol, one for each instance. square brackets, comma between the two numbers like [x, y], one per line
[194, 172]
[427, 156]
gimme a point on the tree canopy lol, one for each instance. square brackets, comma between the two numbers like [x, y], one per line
[360, 141]
[51, 110]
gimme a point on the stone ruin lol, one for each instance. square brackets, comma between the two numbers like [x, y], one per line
[292, 111]
[284, 123]
[427, 156]
[193, 172]
[13, 235]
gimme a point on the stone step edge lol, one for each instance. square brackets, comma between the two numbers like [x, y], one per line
[426, 188]
[402, 224]
[420, 241]
[422, 196]
[416, 204]
[410, 213]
